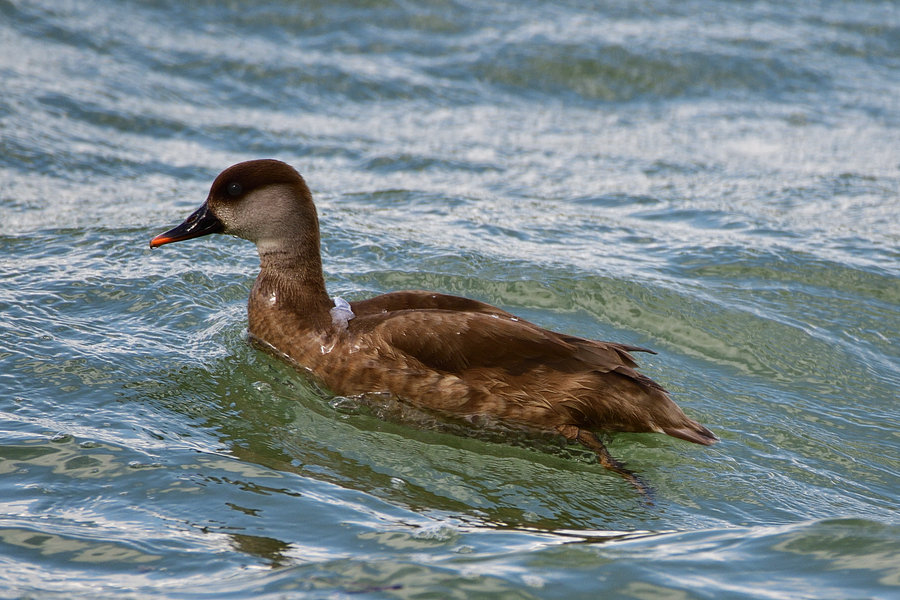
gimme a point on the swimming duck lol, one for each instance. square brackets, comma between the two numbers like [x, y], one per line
[443, 353]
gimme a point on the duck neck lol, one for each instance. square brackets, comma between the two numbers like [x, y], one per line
[291, 281]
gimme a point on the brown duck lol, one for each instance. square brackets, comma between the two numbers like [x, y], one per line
[443, 353]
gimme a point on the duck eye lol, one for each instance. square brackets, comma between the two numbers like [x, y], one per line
[234, 189]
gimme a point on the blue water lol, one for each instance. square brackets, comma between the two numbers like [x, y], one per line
[719, 181]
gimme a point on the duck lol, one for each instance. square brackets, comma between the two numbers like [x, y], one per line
[449, 355]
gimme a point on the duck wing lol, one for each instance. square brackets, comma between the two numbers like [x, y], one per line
[481, 336]
[419, 299]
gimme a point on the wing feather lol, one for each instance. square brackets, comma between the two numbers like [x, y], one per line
[458, 341]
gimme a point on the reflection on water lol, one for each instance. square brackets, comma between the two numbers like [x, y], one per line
[78, 551]
[269, 549]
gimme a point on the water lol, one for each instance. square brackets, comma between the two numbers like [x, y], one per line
[719, 181]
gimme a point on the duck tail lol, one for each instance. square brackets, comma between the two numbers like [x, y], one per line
[693, 432]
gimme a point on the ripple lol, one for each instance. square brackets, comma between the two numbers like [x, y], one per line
[715, 181]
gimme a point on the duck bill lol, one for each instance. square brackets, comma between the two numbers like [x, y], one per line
[201, 222]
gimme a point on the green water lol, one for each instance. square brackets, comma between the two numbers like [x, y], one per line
[717, 181]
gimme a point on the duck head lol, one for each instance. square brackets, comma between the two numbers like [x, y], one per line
[264, 201]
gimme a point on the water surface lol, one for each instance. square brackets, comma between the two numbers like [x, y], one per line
[718, 181]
